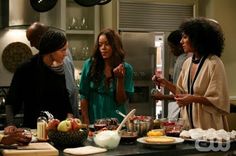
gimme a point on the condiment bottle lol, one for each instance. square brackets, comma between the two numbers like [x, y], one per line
[156, 124]
[41, 128]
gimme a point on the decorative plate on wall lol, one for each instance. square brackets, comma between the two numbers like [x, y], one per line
[14, 54]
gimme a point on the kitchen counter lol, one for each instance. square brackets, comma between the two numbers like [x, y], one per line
[186, 148]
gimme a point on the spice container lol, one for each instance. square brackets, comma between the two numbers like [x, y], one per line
[41, 128]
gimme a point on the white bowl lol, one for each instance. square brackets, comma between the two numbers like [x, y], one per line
[107, 139]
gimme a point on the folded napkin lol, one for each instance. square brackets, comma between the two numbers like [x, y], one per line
[84, 150]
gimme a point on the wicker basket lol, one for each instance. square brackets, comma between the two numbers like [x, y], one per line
[68, 139]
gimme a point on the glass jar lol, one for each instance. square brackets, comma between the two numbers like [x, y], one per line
[41, 128]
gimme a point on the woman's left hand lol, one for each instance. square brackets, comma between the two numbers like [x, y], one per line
[119, 71]
[183, 99]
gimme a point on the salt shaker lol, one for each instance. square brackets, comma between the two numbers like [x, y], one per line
[41, 128]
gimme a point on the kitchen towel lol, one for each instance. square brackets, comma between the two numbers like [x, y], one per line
[84, 150]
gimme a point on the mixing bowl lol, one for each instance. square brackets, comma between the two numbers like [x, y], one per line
[110, 139]
[107, 139]
[140, 124]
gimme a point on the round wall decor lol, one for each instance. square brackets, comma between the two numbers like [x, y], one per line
[14, 54]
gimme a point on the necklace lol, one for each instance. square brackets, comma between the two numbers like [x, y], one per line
[195, 61]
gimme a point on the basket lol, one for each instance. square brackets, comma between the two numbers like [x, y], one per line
[68, 139]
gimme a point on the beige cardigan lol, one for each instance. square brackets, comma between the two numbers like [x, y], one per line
[212, 84]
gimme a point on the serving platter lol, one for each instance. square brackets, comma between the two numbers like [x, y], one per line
[160, 145]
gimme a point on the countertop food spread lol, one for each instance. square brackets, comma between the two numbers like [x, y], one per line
[156, 139]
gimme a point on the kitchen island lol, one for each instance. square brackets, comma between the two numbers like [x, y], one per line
[185, 148]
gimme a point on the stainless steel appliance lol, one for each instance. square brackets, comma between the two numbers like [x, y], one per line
[144, 51]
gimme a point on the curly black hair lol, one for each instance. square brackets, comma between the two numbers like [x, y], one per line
[174, 42]
[205, 35]
[118, 54]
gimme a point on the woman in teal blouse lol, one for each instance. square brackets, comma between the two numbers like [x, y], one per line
[106, 81]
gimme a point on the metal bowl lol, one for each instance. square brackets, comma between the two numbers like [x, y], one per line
[140, 124]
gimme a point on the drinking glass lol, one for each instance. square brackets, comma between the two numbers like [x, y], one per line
[99, 124]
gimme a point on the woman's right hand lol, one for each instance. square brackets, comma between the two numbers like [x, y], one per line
[160, 82]
[157, 95]
[119, 71]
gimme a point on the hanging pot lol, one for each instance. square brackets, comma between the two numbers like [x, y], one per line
[87, 3]
[43, 5]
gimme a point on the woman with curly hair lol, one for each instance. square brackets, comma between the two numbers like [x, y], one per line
[106, 80]
[202, 88]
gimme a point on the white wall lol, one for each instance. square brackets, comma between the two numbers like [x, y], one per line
[7, 37]
[224, 12]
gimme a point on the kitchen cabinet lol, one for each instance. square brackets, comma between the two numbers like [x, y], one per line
[81, 25]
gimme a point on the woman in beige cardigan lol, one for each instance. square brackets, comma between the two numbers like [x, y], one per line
[202, 88]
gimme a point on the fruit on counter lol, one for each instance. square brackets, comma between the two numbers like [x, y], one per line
[76, 123]
[64, 126]
[155, 133]
[69, 124]
[141, 118]
[52, 124]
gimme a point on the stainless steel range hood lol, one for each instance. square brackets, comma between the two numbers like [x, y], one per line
[18, 13]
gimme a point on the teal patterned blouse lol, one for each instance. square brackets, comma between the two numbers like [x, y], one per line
[102, 103]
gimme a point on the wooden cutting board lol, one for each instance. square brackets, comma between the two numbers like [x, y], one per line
[41, 149]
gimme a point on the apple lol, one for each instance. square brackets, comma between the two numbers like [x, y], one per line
[52, 124]
[76, 123]
[64, 126]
